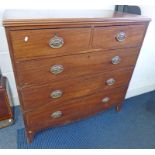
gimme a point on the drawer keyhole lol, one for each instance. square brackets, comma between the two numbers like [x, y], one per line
[26, 39]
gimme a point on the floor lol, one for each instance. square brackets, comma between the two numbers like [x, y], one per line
[8, 136]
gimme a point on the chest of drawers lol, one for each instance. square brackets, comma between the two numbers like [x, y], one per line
[68, 68]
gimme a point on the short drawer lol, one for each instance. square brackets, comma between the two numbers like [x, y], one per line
[28, 44]
[41, 71]
[49, 116]
[118, 36]
[59, 93]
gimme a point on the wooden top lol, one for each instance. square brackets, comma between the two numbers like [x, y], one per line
[47, 17]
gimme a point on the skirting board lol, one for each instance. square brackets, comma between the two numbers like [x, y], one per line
[140, 90]
[130, 93]
[15, 101]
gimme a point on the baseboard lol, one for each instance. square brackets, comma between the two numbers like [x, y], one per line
[140, 90]
[15, 101]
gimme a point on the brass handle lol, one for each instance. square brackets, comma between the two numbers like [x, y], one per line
[56, 69]
[110, 81]
[56, 114]
[56, 94]
[105, 100]
[56, 42]
[116, 60]
[120, 36]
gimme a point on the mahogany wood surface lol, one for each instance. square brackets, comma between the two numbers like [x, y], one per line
[74, 109]
[89, 45]
[36, 72]
[76, 39]
[34, 97]
[26, 18]
[5, 109]
[104, 37]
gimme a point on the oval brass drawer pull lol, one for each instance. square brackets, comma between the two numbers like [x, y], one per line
[56, 42]
[56, 114]
[105, 100]
[110, 81]
[56, 94]
[120, 36]
[116, 60]
[56, 69]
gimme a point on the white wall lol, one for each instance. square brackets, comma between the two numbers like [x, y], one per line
[143, 79]
[144, 76]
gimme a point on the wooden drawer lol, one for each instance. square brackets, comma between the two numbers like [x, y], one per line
[37, 42]
[71, 89]
[74, 110]
[106, 37]
[37, 72]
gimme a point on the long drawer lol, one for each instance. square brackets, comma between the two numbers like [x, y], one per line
[59, 93]
[118, 36]
[36, 72]
[48, 116]
[28, 44]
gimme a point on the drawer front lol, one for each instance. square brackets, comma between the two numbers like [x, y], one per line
[28, 44]
[76, 109]
[38, 72]
[71, 89]
[118, 36]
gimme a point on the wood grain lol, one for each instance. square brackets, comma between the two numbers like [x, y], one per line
[105, 37]
[37, 72]
[74, 110]
[5, 109]
[26, 18]
[40, 95]
[89, 46]
[76, 39]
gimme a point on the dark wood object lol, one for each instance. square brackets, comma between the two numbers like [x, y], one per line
[6, 113]
[68, 68]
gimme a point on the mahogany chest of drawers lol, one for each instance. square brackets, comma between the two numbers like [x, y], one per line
[68, 67]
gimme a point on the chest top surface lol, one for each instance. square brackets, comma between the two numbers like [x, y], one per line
[47, 17]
